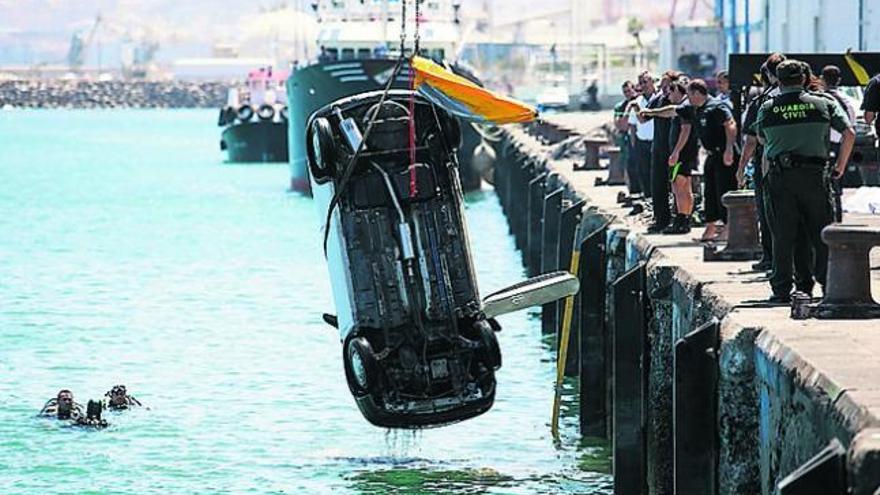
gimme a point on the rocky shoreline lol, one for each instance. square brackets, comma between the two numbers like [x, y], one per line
[42, 93]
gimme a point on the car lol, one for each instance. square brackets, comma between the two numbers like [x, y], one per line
[419, 348]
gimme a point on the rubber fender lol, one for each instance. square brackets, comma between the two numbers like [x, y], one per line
[266, 112]
[245, 113]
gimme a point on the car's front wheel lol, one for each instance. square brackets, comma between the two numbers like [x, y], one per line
[361, 367]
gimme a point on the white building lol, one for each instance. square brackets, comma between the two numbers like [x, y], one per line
[800, 25]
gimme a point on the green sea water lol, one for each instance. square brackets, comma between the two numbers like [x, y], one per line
[130, 253]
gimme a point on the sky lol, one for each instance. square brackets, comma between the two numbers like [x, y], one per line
[33, 31]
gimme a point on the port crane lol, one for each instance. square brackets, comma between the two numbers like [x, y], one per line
[76, 54]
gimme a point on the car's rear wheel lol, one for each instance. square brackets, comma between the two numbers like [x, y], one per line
[490, 351]
[361, 367]
[320, 150]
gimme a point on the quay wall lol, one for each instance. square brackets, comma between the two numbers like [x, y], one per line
[775, 391]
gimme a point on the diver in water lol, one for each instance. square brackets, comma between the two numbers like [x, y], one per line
[64, 408]
[118, 399]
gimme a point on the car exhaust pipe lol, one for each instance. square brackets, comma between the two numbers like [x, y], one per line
[535, 291]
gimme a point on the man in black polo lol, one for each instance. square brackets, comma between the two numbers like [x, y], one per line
[871, 101]
[716, 129]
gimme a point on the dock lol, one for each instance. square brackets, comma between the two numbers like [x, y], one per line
[701, 386]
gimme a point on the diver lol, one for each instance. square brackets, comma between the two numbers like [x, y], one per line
[118, 399]
[63, 408]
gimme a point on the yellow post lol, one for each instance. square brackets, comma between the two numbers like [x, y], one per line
[562, 355]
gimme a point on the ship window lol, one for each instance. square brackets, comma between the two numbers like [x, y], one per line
[332, 54]
[347, 54]
[438, 54]
[363, 53]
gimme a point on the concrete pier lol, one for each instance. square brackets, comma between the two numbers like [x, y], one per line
[775, 391]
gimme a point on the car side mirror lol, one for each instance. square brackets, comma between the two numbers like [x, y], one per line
[535, 291]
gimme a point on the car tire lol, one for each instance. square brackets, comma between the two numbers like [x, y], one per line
[361, 367]
[490, 351]
[320, 150]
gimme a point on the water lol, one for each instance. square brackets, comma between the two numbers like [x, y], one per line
[129, 253]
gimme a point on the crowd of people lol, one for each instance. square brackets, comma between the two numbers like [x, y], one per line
[791, 145]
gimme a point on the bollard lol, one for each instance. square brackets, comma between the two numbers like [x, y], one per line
[695, 396]
[616, 167]
[537, 188]
[550, 251]
[568, 227]
[742, 230]
[593, 336]
[848, 288]
[630, 382]
[591, 154]
[823, 474]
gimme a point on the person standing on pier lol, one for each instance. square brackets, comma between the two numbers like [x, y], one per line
[753, 149]
[713, 122]
[794, 126]
[831, 81]
[621, 124]
[643, 134]
[660, 150]
[683, 159]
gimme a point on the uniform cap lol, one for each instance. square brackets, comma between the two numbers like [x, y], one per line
[790, 69]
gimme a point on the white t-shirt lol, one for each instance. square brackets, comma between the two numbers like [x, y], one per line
[849, 108]
[644, 132]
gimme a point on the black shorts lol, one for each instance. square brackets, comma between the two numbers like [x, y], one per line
[687, 168]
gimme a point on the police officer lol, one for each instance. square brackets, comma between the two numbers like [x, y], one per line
[794, 126]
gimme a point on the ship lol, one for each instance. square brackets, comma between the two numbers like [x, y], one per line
[359, 45]
[255, 118]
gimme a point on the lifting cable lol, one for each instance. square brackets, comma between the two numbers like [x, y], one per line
[413, 184]
[346, 176]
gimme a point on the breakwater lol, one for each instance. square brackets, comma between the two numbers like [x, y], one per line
[57, 93]
[701, 386]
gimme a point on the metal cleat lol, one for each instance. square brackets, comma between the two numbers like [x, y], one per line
[742, 224]
[591, 154]
[848, 288]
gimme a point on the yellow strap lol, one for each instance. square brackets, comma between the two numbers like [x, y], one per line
[563, 348]
[857, 69]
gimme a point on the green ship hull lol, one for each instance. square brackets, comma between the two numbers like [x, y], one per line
[261, 141]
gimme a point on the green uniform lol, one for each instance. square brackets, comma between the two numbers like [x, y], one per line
[794, 125]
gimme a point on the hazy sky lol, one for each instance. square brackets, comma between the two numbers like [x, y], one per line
[40, 30]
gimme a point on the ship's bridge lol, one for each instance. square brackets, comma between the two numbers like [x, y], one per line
[352, 30]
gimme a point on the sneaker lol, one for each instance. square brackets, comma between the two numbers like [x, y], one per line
[762, 266]
[637, 209]
[681, 225]
[779, 298]
[656, 228]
